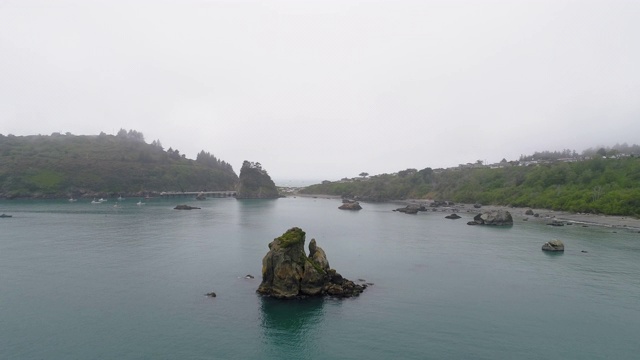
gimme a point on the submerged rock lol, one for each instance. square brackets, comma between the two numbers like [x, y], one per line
[553, 245]
[287, 272]
[185, 207]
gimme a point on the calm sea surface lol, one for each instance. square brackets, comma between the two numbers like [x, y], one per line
[83, 281]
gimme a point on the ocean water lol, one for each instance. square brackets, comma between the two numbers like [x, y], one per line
[83, 281]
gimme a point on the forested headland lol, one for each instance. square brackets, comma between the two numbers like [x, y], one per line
[62, 165]
[603, 181]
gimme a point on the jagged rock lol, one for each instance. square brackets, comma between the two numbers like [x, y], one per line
[553, 245]
[350, 206]
[453, 216]
[287, 272]
[185, 207]
[495, 218]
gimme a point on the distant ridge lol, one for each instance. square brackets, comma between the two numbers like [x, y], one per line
[66, 165]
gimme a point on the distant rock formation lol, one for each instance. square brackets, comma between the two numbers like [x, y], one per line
[553, 245]
[255, 183]
[493, 217]
[350, 205]
[411, 209]
[287, 272]
[185, 207]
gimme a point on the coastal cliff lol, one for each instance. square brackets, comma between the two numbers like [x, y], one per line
[255, 183]
[287, 272]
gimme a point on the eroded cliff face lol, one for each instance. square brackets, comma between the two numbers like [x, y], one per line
[287, 272]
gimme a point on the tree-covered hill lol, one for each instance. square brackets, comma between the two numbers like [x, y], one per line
[69, 165]
[597, 185]
[255, 182]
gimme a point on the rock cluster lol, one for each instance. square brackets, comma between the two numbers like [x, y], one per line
[494, 217]
[287, 272]
[411, 209]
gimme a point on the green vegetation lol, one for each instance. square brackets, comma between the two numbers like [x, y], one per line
[597, 185]
[291, 237]
[255, 183]
[69, 165]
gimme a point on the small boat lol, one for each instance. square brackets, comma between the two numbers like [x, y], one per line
[5, 216]
[72, 200]
[139, 203]
[94, 201]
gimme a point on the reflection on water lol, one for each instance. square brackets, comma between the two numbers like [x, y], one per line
[290, 326]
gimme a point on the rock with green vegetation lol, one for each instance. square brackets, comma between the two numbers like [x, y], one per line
[255, 183]
[287, 272]
[553, 245]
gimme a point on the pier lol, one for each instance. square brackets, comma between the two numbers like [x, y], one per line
[215, 194]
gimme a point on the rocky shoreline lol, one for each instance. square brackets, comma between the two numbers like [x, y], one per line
[519, 214]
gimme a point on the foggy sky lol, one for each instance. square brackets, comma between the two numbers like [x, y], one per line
[327, 89]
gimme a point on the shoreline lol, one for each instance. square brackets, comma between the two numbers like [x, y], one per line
[518, 214]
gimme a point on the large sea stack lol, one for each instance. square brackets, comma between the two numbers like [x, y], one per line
[255, 183]
[288, 273]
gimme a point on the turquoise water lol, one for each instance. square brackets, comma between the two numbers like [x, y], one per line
[82, 281]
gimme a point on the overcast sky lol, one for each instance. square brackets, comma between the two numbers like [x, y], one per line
[327, 89]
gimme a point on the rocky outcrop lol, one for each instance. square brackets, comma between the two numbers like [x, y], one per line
[528, 212]
[287, 272]
[411, 209]
[185, 207]
[494, 218]
[553, 245]
[453, 216]
[255, 183]
[350, 205]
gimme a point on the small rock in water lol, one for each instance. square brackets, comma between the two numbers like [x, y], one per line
[584, 251]
[211, 294]
[553, 245]
[248, 276]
